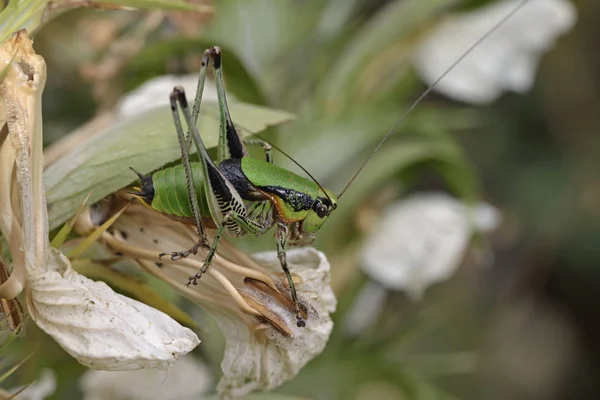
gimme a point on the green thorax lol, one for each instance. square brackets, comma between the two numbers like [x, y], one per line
[262, 174]
[292, 194]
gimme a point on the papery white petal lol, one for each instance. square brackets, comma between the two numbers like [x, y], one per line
[100, 328]
[421, 240]
[252, 364]
[260, 353]
[507, 60]
[41, 389]
[187, 379]
[92, 323]
[154, 93]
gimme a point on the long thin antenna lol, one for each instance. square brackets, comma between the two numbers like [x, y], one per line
[292, 160]
[303, 169]
[432, 86]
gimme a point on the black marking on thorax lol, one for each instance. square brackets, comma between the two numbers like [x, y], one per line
[297, 200]
[232, 170]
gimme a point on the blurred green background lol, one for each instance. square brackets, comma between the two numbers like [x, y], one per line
[527, 326]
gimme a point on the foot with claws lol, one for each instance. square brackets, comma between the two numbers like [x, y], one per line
[176, 255]
[194, 279]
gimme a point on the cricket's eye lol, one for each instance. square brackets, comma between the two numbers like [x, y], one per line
[322, 210]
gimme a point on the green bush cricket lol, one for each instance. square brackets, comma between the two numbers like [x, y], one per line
[241, 195]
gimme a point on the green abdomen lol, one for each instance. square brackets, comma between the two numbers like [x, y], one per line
[171, 192]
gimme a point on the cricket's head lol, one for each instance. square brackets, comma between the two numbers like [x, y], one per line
[302, 233]
[318, 214]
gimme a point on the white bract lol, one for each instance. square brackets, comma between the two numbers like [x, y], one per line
[98, 327]
[507, 60]
[422, 239]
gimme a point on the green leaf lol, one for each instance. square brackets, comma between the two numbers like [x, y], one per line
[387, 163]
[32, 14]
[388, 37]
[333, 149]
[259, 29]
[145, 142]
[21, 14]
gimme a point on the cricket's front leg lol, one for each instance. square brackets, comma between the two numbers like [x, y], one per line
[281, 239]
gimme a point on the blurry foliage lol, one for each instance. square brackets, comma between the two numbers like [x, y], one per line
[344, 67]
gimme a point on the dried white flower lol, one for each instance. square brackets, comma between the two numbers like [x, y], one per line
[186, 380]
[98, 327]
[265, 361]
[421, 240]
[507, 60]
[249, 298]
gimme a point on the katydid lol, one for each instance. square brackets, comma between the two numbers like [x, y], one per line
[241, 195]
